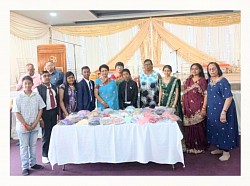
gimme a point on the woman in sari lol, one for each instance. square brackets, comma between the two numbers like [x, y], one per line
[170, 93]
[194, 106]
[106, 90]
[67, 95]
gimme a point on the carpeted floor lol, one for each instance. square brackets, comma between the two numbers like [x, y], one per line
[203, 164]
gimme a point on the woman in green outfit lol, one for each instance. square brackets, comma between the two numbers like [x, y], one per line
[170, 93]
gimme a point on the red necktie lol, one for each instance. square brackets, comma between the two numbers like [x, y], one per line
[52, 100]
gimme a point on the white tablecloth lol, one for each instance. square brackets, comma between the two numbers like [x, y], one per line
[237, 98]
[160, 143]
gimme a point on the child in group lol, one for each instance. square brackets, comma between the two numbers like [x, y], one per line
[28, 108]
[127, 91]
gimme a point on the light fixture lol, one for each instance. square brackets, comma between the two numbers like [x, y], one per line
[53, 14]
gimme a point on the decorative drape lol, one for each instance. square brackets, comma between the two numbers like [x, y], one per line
[99, 29]
[145, 49]
[26, 34]
[209, 20]
[128, 51]
[189, 53]
[157, 46]
[27, 28]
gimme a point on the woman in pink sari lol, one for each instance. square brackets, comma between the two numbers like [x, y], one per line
[194, 107]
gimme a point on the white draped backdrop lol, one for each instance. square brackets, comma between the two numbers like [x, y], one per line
[221, 42]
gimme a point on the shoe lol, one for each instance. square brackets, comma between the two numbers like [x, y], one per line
[217, 151]
[25, 172]
[45, 160]
[198, 151]
[225, 156]
[36, 166]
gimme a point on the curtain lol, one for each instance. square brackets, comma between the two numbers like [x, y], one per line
[23, 52]
[209, 20]
[128, 51]
[27, 28]
[99, 29]
[187, 52]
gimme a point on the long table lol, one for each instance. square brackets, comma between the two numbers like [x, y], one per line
[77, 144]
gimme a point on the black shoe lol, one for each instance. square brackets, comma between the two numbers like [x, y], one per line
[25, 172]
[36, 166]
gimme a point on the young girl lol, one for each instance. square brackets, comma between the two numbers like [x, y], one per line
[28, 109]
[68, 95]
[170, 95]
[170, 91]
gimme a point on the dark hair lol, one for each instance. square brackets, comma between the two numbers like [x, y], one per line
[167, 66]
[30, 64]
[27, 78]
[201, 74]
[148, 60]
[85, 67]
[66, 85]
[103, 66]
[119, 64]
[126, 70]
[44, 72]
[218, 68]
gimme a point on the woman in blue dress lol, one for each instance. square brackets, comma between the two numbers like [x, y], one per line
[222, 124]
[106, 90]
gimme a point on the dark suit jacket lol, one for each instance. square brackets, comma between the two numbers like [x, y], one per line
[83, 96]
[132, 93]
[42, 89]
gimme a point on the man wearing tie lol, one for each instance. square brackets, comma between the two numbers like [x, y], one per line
[85, 91]
[49, 94]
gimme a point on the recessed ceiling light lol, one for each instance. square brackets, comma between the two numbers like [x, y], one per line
[53, 14]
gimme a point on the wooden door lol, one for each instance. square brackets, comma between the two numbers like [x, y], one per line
[52, 52]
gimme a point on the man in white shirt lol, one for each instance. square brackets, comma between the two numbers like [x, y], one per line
[49, 94]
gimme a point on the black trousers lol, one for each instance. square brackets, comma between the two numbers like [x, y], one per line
[50, 120]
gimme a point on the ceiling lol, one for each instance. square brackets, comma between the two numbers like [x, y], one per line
[81, 17]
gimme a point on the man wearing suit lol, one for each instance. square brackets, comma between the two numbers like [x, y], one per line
[49, 94]
[85, 91]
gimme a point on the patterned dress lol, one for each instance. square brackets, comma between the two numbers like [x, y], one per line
[222, 135]
[194, 123]
[149, 91]
[71, 104]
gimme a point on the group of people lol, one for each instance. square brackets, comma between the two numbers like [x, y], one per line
[206, 106]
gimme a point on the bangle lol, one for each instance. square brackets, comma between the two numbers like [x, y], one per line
[225, 110]
[102, 102]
